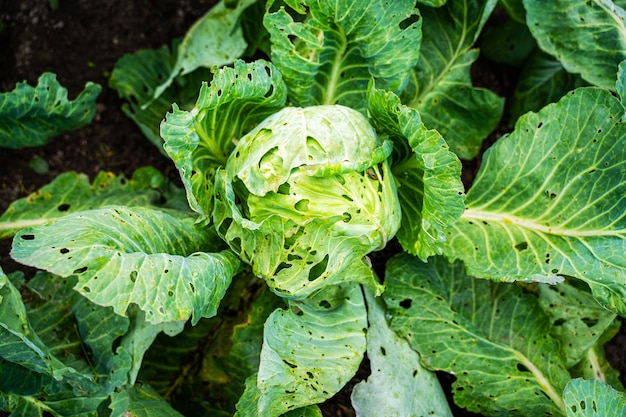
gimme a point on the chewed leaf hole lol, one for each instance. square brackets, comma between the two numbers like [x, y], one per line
[297, 311]
[302, 205]
[314, 148]
[406, 303]
[325, 304]
[589, 322]
[80, 270]
[284, 189]
[63, 207]
[409, 21]
[133, 276]
[318, 269]
[521, 246]
[28, 237]
[64, 250]
[522, 368]
[270, 162]
[282, 267]
[383, 351]
[289, 364]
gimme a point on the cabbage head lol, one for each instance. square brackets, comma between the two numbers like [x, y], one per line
[305, 196]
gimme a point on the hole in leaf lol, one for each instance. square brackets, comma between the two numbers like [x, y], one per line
[325, 304]
[284, 189]
[383, 351]
[583, 405]
[297, 310]
[28, 237]
[559, 322]
[522, 368]
[193, 289]
[409, 21]
[281, 267]
[289, 364]
[302, 205]
[318, 269]
[133, 276]
[64, 250]
[80, 270]
[589, 321]
[314, 148]
[270, 162]
[521, 246]
[406, 303]
[64, 207]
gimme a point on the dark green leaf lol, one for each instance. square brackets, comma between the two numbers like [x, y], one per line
[441, 88]
[71, 192]
[587, 37]
[550, 199]
[493, 337]
[427, 173]
[29, 116]
[330, 57]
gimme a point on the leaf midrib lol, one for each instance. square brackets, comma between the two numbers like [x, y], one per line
[531, 224]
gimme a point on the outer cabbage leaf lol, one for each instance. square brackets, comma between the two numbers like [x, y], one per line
[428, 175]
[330, 56]
[565, 28]
[20, 345]
[542, 81]
[441, 88]
[140, 401]
[216, 39]
[29, 116]
[136, 77]
[136, 255]
[71, 192]
[207, 365]
[620, 85]
[595, 365]
[247, 405]
[550, 200]
[593, 399]
[577, 321]
[63, 326]
[493, 337]
[311, 350]
[200, 141]
[398, 385]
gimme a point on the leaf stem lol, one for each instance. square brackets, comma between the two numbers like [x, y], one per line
[543, 382]
[533, 224]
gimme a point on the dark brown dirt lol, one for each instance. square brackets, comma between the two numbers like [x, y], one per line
[80, 42]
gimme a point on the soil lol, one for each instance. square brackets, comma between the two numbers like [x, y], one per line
[80, 41]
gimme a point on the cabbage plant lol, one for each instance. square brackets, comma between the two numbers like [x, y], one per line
[322, 224]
